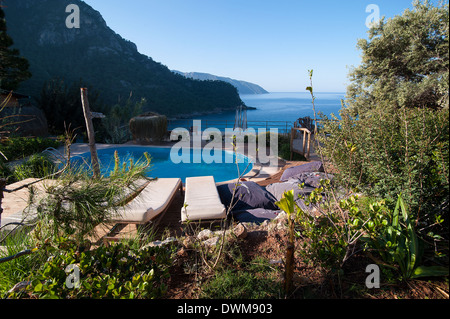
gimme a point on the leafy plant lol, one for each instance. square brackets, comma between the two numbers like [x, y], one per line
[15, 148]
[399, 246]
[117, 271]
[75, 204]
[240, 284]
[36, 166]
[404, 151]
[290, 207]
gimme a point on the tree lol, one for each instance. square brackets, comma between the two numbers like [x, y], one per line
[13, 67]
[405, 62]
[61, 104]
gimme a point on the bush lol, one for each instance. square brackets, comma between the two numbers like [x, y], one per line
[37, 166]
[254, 280]
[385, 154]
[20, 147]
[6, 172]
[392, 236]
[117, 271]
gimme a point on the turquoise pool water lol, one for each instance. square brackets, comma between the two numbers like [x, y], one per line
[223, 168]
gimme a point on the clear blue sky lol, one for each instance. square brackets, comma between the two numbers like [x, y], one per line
[272, 43]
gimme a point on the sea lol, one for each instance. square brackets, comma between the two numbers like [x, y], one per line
[280, 109]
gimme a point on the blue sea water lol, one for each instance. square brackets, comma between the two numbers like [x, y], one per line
[291, 106]
[222, 167]
[283, 107]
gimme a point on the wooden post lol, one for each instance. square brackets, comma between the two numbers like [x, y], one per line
[309, 144]
[90, 132]
[304, 142]
[292, 142]
[2, 186]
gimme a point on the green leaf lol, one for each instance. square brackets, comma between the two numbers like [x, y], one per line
[38, 287]
[430, 271]
[413, 241]
[310, 89]
[287, 203]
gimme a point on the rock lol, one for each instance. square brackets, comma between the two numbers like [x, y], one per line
[158, 243]
[240, 231]
[211, 242]
[276, 262]
[204, 234]
[265, 224]
[19, 287]
[182, 253]
[189, 242]
[281, 216]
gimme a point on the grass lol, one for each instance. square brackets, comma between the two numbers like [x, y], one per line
[255, 279]
[18, 269]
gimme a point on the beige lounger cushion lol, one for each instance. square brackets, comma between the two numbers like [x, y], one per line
[152, 201]
[203, 200]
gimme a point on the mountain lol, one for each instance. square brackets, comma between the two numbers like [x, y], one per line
[95, 56]
[243, 87]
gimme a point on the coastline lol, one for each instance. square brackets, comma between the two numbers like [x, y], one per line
[189, 116]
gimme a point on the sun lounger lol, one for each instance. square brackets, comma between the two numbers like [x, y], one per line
[149, 205]
[153, 200]
[202, 200]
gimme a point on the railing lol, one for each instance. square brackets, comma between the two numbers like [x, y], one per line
[305, 139]
[283, 127]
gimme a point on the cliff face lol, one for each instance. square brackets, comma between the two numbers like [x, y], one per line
[97, 56]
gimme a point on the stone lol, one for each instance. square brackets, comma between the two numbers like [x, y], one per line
[159, 243]
[211, 242]
[240, 231]
[188, 242]
[182, 253]
[20, 286]
[204, 234]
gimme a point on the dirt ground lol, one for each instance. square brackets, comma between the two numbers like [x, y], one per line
[310, 282]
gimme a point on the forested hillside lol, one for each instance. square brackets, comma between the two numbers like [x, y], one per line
[95, 56]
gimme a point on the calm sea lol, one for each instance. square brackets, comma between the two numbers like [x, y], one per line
[283, 107]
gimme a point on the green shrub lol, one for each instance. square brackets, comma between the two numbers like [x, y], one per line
[18, 269]
[328, 239]
[20, 147]
[392, 237]
[113, 272]
[36, 166]
[385, 154]
[6, 172]
[77, 203]
[256, 280]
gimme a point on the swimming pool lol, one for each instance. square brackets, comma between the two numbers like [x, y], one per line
[223, 168]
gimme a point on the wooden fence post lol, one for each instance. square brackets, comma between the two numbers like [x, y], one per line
[2, 186]
[90, 132]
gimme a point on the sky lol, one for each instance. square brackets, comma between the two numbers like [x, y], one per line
[272, 43]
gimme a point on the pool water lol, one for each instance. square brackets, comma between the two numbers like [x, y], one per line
[163, 167]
